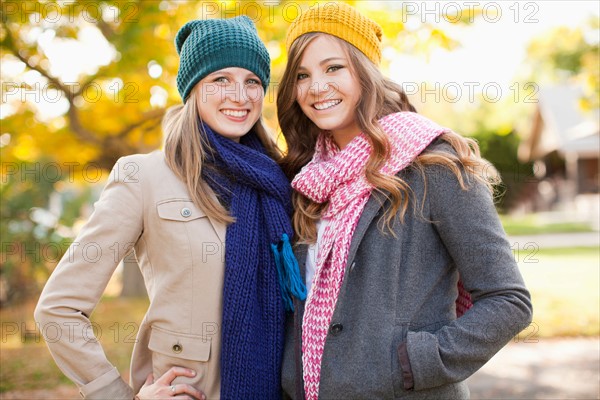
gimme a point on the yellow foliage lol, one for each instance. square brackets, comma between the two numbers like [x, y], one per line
[25, 149]
[114, 115]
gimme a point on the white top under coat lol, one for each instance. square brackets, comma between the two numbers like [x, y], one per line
[311, 257]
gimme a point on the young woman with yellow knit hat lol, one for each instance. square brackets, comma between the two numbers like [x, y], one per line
[412, 285]
[209, 220]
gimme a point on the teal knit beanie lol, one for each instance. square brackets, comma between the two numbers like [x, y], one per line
[206, 46]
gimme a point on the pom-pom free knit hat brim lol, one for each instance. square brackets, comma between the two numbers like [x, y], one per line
[342, 21]
[206, 46]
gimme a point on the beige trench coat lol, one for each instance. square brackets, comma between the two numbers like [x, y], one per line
[180, 251]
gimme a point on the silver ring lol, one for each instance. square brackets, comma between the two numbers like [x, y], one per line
[173, 388]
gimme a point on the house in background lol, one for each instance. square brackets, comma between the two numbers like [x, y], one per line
[564, 144]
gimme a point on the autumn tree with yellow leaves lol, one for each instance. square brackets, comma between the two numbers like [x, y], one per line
[99, 113]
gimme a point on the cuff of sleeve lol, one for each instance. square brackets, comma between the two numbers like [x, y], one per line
[427, 367]
[107, 386]
[407, 376]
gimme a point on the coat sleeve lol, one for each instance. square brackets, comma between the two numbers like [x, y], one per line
[77, 283]
[469, 227]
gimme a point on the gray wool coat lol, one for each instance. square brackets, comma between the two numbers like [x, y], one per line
[402, 290]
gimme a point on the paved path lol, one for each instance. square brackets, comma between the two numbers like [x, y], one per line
[548, 369]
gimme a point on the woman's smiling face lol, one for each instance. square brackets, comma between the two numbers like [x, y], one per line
[327, 90]
[230, 101]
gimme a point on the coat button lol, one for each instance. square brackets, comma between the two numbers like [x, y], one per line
[335, 329]
[186, 212]
[177, 348]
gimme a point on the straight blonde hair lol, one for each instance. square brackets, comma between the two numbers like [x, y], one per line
[185, 152]
[381, 97]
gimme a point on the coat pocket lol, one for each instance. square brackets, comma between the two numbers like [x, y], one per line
[172, 349]
[179, 210]
[398, 336]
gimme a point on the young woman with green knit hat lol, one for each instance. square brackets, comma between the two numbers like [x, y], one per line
[412, 285]
[209, 221]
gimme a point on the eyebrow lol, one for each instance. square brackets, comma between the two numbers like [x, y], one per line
[325, 61]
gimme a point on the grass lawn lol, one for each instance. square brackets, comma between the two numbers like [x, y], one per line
[534, 224]
[565, 290]
[26, 362]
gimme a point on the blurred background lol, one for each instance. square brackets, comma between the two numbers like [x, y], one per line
[86, 82]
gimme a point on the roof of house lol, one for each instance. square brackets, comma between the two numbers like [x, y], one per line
[561, 124]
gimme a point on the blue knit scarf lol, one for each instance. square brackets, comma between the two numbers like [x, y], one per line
[261, 272]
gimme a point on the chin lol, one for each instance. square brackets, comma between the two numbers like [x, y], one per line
[328, 127]
[237, 132]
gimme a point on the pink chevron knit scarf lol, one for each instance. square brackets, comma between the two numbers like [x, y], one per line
[338, 176]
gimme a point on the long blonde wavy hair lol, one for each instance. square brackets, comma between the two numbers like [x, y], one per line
[186, 148]
[381, 97]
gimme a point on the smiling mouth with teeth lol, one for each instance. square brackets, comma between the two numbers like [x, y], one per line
[235, 113]
[326, 104]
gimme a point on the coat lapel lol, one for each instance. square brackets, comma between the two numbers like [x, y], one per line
[371, 209]
[220, 228]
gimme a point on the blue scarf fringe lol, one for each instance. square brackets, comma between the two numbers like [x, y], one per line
[288, 271]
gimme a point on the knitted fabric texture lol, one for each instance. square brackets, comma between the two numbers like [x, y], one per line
[206, 46]
[342, 21]
[337, 176]
[259, 198]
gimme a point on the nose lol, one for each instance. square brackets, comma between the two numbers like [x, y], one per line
[235, 92]
[319, 85]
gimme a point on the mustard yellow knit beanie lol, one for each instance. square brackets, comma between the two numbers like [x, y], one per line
[342, 21]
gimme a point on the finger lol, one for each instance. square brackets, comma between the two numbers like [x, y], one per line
[192, 391]
[186, 397]
[173, 373]
[149, 379]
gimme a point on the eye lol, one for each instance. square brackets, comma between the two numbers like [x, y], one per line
[220, 79]
[253, 81]
[301, 76]
[334, 68]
